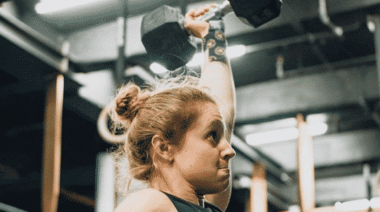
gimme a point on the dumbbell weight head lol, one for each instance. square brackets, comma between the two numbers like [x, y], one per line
[165, 38]
[256, 12]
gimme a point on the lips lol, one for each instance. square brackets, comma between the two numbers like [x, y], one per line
[224, 167]
[225, 172]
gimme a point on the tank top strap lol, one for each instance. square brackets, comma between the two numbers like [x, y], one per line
[185, 206]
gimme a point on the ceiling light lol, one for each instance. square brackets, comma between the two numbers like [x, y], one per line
[281, 124]
[271, 136]
[236, 51]
[158, 68]
[51, 6]
[197, 59]
[371, 26]
[356, 205]
[294, 208]
[245, 182]
[232, 52]
[317, 129]
[286, 134]
[318, 118]
[353, 205]
[371, 20]
[375, 202]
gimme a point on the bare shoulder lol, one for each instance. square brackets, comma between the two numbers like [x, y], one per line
[146, 200]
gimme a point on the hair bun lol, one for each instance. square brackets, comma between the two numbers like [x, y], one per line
[129, 101]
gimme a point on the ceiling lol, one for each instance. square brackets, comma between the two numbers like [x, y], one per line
[322, 74]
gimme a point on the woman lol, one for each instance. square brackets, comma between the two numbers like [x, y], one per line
[179, 135]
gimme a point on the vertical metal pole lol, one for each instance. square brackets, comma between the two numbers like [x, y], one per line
[305, 165]
[105, 183]
[258, 193]
[377, 182]
[121, 43]
[367, 179]
[376, 21]
[51, 165]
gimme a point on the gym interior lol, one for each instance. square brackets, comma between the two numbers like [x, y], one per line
[307, 130]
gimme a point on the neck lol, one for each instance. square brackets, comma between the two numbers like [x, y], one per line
[174, 184]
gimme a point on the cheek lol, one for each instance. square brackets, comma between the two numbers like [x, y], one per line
[198, 154]
[205, 158]
[196, 159]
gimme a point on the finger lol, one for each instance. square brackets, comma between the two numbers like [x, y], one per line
[200, 13]
[203, 10]
[212, 5]
[191, 14]
[209, 6]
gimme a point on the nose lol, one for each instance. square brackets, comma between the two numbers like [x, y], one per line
[227, 151]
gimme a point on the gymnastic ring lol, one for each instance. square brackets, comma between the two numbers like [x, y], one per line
[102, 125]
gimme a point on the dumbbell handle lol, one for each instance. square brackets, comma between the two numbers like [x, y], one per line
[218, 11]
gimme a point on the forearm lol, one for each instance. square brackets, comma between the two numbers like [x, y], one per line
[216, 73]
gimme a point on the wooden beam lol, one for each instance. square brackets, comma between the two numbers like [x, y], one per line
[51, 164]
[258, 193]
[333, 209]
[305, 165]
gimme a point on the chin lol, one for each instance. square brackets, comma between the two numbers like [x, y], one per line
[225, 185]
[220, 187]
[215, 184]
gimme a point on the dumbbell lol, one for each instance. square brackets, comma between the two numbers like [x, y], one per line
[165, 38]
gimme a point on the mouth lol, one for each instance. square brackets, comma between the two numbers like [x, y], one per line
[224, 167]
[226, 172]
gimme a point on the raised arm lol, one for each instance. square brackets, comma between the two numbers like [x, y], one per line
[217, 76]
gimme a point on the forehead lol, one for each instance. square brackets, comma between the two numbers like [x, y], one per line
[207, 114]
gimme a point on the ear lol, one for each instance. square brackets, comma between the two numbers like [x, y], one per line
[162, 148]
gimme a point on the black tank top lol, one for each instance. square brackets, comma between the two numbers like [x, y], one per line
[185, 206]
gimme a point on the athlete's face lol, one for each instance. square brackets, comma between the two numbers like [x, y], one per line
[204, 154]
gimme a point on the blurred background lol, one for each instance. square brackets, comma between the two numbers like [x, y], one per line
[298, 63]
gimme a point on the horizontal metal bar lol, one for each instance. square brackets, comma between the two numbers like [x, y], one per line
[277, 202]
[13, 32]
[318, 69]
[288, 41]
[306, 93]
[9, 208]
[330, 149]
[271, 167]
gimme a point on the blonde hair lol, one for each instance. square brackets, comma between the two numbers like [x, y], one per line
[165, 108]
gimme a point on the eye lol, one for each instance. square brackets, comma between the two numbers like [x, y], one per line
[213, 135]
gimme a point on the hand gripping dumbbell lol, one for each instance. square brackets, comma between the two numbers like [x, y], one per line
[165, 38]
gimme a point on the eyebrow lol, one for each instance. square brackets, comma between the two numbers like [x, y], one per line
[216, 123]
